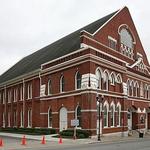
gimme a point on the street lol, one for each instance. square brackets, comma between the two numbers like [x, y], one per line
[14, 143]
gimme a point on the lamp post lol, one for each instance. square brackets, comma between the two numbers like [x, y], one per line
[99, 99]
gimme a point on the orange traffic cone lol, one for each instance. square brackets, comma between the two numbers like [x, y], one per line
[43, 140]
[60, 140]
[23, 141]
[1, 143]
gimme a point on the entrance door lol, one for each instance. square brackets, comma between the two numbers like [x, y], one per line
[129, 120]
[63, 119]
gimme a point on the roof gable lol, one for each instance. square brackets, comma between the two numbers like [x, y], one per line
[111, 28]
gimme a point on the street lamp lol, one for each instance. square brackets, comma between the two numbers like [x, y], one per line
[99, 99]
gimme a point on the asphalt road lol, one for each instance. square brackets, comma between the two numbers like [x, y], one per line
[15, 144]
[141, 144]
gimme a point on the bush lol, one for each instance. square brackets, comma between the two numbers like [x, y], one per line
[79, 133]
[81, 136]
[31, 131]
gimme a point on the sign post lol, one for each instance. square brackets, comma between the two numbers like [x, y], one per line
[74, 123]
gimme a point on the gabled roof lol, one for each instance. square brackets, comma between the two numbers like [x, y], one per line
[55, 50]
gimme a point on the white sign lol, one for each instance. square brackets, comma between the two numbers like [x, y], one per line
[75, 122]
[42, 90]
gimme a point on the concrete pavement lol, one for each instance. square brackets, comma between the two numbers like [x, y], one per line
[34, 141]
[88, 140]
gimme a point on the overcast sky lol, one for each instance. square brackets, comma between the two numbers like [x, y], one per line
[28, 25]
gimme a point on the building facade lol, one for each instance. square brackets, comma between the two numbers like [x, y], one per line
[104, 60]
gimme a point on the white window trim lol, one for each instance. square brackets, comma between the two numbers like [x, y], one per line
[21, 93]
[21, 119]
[9, 119]
[77, 127]
[49, 87]
[9, 96]
[29, 90]
[107, 106]
[106, 79]
[113, 105]
[112, 76]
[15, 118]
[119, 117]
[29, 118]
[76, 81]
[61, 91]
[3, 120]
[15, 95]
[99, 79]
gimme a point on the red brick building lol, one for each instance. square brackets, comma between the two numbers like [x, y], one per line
[60, 82]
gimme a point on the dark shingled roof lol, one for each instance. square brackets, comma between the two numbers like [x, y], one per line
[55, 50]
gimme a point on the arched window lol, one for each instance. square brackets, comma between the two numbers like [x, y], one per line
[29, 96]
[78, 81]
[9, 119]
[63, 119]
[141, 90]
[132, 88]
[49, 118]
[128, 87]
[62, 84]
[49, 87]
[145, 91]
[78, 115]
[21, 119]
[99, 79]
[136, 89]
[106, 81]
[15, 118]
[105, 115]
[126, 38]
[118, 114]
[112, 114]
[112, 79]
[29, 118]
[119, 78]
[127, 41]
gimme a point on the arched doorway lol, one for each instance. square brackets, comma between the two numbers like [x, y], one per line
[63, 119]
[132, 118]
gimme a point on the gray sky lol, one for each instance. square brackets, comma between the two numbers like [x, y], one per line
[28, 25]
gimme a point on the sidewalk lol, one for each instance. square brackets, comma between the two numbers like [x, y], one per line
[104, 139]
[34, 141]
